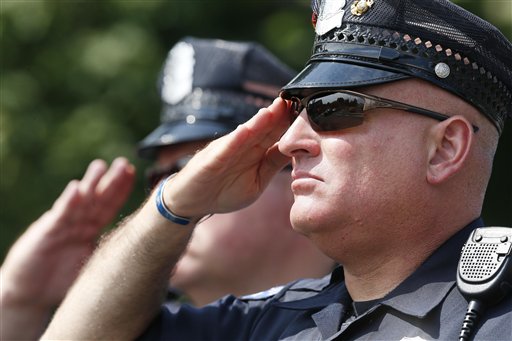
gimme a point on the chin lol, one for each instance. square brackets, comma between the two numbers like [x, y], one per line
[304, 225]
[304, 214]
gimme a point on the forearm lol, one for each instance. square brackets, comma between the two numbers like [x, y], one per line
[24, 312]
[21, 320]
[124, 283]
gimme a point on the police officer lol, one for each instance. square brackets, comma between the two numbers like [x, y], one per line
[397, 118]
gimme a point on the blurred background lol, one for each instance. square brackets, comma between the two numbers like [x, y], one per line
[78, 82]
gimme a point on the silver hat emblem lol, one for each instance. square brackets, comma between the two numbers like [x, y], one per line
[442, 70]
[330, 15]
[178, 73]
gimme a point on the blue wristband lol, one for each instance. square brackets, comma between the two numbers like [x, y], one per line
[164, 211]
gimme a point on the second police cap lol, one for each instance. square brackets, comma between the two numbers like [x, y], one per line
[366, 42]
[210, 86]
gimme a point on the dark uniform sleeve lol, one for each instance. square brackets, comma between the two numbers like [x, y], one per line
[227, 319]
[267, 315]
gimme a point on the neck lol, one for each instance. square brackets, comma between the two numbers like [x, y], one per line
[374, 283]
[372, 277]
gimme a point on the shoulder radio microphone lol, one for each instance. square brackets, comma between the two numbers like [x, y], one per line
[484, 275]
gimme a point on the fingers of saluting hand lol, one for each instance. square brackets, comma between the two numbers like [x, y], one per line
[96, 198]
[233, 170]
[92, 177]
[114, 188]
[249, 144]
[68, 197]
[259, 136]
[79, 194]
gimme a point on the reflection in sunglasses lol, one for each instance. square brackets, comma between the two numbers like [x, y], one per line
[340, 109]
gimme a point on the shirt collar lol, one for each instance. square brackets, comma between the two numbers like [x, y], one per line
[333, 292]
[432, 281]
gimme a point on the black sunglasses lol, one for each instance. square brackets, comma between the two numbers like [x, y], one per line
[332, 110]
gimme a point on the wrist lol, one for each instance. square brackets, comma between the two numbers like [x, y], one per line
[166, 210]
[163, 209]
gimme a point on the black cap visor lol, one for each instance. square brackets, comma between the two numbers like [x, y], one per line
[172, 133]
[336, 75]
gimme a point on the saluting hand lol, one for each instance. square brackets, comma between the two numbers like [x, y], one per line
[233, 170]
[43, 263]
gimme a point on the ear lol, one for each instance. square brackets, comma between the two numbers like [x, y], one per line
[451, 143]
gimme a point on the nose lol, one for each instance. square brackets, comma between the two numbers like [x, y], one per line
[300, 139]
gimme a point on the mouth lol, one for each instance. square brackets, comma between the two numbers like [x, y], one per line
[304, 182]
[298, 174]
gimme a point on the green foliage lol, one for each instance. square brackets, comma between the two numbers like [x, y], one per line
[78, 82]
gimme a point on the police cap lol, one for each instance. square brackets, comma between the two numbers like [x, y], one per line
[210, 86]
[367, 42]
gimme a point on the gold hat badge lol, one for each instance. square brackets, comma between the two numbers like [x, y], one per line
[359, 7]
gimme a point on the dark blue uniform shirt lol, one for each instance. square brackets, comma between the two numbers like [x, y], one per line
[426, 306]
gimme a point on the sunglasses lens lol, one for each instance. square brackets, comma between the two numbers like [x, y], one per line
[335, 111]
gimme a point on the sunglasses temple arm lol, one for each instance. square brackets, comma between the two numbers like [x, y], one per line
[415, 110]
[433, 115]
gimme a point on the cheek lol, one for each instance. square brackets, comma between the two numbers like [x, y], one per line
[231, 238]
[214, 235]
[357, 176]
[399, 158]
[396, 165]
